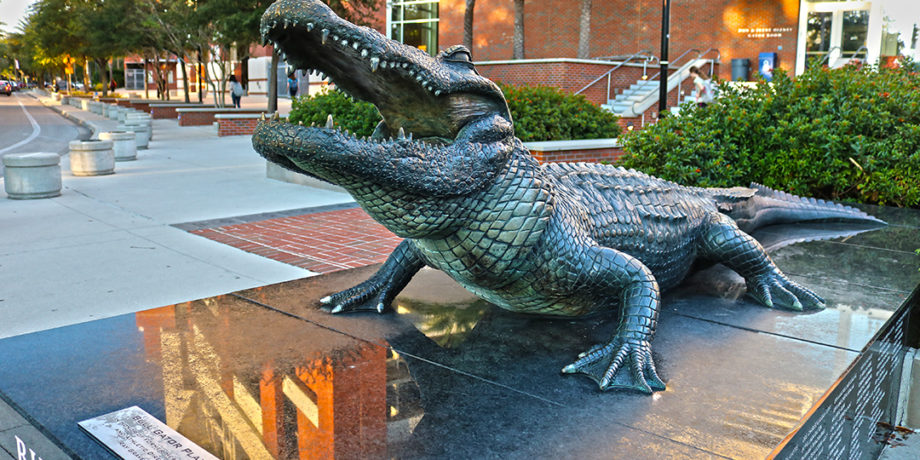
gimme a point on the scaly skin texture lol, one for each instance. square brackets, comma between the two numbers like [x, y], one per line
[445, 172]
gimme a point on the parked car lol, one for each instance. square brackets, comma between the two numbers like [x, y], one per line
[6, 87]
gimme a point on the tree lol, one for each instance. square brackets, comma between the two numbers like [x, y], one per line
[468, 24]
[584, 30]
[517, 41]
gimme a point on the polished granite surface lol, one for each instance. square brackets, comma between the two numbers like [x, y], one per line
[266, 373]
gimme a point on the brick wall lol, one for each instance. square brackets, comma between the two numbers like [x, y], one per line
[573, 156]
[236, 126]
[620, 27]
[207, 117]
[159, 113]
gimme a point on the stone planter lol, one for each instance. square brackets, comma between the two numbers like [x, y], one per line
[141, 119]
[92, 158]
[32, 175]
[142, 132]
[123, 144]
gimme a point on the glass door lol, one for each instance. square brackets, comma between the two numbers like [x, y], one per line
[832, 33]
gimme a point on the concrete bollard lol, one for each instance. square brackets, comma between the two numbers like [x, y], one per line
[84, 104]
[141, 131]
[141, 118]
[32, 175]
[123, 144]
[92, 158]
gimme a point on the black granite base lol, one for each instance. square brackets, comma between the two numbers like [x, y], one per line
[265, 372]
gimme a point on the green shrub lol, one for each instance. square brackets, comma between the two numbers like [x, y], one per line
[545, 113]
[358, 117]
[846, 134]
[540, 113]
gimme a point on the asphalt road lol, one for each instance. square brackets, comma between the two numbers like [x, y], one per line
[28, 126]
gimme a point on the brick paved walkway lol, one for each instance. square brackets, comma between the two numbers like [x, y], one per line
[322, 242]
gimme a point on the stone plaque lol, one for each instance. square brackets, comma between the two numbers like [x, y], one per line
[853, 419]
[132, 433]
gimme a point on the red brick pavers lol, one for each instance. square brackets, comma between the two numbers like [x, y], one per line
[321, 242]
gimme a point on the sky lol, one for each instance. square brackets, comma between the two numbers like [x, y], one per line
[11, 11]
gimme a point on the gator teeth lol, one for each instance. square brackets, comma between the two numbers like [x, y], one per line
[437, 93]
[364, 53]
[300, 123]
[275, 116]
[310, 26]
[325, 33]
[287, 23]
[402, 133]
[335, 38]
[384, 64]
[375, 61]
[405, 65]
[329, 122]
[355, 45]
[344, 42]
[262, 117]
[411, 73]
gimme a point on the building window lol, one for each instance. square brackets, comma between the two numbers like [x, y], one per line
[415, 23]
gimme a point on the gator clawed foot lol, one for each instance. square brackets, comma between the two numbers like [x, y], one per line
[775, 290]
[622, 363]
[363, 297]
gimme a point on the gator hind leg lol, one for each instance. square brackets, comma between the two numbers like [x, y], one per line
[626, 360]
[376, 293]
[724, 242]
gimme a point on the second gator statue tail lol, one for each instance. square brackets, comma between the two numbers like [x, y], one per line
[758, 206]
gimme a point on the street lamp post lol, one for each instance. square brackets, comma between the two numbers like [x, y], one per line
[665, 35]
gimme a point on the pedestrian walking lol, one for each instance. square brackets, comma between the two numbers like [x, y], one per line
[236, 91]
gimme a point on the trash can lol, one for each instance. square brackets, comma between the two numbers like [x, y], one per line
[741, 68]
[766, 62]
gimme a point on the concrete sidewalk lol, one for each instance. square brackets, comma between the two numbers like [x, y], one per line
[107, 245]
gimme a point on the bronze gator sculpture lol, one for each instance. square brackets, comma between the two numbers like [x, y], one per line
[444, 171]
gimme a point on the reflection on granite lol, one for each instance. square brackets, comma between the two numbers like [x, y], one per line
[267, 373]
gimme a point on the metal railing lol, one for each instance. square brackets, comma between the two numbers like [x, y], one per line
[680, 81]
[826, 58]
[644, 55]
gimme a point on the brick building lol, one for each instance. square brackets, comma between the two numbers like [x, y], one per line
[712, 34]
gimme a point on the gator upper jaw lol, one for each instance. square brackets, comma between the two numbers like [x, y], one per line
[431, 98]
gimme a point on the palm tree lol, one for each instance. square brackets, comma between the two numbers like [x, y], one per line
[468, 24]
[518, 40]
[584, 30]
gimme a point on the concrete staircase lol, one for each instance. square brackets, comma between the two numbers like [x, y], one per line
[636, 99]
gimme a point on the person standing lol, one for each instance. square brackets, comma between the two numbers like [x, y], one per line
[292, 85]
[703, 85]
[236, 91]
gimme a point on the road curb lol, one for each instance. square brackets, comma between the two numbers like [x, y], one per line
[94, 130]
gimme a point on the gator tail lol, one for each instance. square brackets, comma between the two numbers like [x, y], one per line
[758, 206]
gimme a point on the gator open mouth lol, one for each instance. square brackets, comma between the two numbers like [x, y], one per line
[431, 98]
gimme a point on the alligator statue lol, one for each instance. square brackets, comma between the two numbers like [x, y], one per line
[444, 170]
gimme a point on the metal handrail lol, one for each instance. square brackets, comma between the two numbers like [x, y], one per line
[641, 54]
[712, 63]
[699, 55]
[827, 56]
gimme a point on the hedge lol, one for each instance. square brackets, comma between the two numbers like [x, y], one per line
[848, 134]
[540, 113]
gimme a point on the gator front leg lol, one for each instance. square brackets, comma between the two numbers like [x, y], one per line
[376, 293]
[724, 242]
[626, 361]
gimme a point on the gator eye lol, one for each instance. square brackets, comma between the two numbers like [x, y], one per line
[461, 56]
